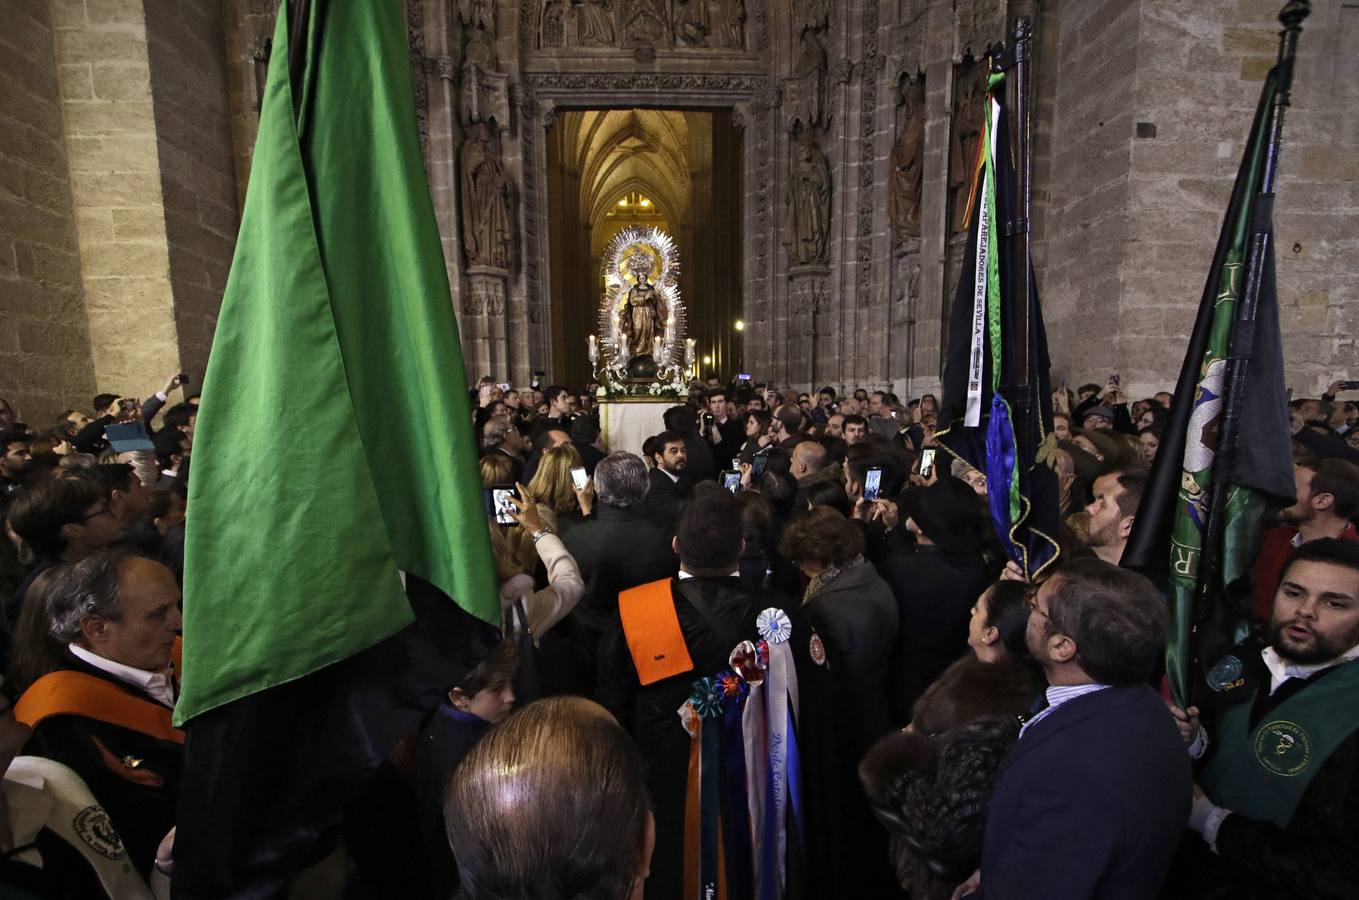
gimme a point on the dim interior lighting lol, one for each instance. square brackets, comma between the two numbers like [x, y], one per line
[707, 360]
[740, 325]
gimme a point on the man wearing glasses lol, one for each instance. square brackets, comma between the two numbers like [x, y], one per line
[1092, 801]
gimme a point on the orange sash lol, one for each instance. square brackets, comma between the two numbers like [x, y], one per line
[652, 629]
[67, 693]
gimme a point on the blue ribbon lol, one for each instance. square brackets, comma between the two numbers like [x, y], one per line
[710, 803]
[1001, 472]
[795, 781]
[736, 812]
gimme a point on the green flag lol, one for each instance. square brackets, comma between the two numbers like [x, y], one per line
[1200, 519]
[334, 449]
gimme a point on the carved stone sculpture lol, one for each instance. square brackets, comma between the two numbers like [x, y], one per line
[594, 23]
[809, 196]
[485, 202]
[906, 164]
[553, 31]
[645, 23]
[692, 23]
[966, 132]
[731, 31]
[811, 14]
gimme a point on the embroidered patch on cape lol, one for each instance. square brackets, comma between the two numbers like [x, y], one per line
[1283, 748]
[96, 829]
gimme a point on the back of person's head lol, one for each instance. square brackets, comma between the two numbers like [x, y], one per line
[585, 429]
[759, 521]
[103, 401]
[867, 454]
[821, 536]
[496, 468]
[812, 455]
[1340, 479]
[781, 489]
[169, 443]
[830, 493]
[39, 513]
[792, 417]
[709, 532]
[680, 418]
[621, 480]
[1116, 617]
[552, 485]
[113, 476]
[551, 803]
[179, 415]
[35, 652]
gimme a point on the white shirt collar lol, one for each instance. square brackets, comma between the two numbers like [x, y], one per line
[1059, 694]
[1280, 669]
[684, 576]
[156, 685]
[674, 479]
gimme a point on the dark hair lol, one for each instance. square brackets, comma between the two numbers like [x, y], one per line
[102, 401]
[1332, 551]
[855, 419]
[585, 429]
[38, 513]
[1089, 386]
[652, 446]
[1116, 617]
[1007, 611]
[715, 392]
[821, 535]
[781, 489]
[792, 417]
[494, 669]
[827, 390]
[12, 436]
[710, 530]
[868, 454]
[759, 524]
[550, 802]
[178, 416]
[113, 476]
[35, 652]
[552, 392]
[1133, 483]
[680, 418]
[168, 443]
[761, 416]
[1340, 479]
[825, 492]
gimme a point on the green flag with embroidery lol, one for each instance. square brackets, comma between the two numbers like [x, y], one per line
[333, 455]
[1200, 520]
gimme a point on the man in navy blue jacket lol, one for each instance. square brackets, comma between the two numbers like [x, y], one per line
[1092, 801]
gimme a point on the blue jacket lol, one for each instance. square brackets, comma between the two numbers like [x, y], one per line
[1091, 802]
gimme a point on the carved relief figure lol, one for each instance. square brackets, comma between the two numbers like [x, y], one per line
[692, 24]
[594, 22]
[811, 14]
[732, 30]
[553, 33]
[967, 115]
[906, 163]
[478, 14]
[480, 51]
[809, 195]
[645, 22]
[485, 202]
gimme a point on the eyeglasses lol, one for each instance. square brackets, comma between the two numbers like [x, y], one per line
[98, 512]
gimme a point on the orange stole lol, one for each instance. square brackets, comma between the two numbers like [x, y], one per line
[68, 693]
[652, 629]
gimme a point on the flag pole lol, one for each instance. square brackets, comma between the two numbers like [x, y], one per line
[1023, 37]
[1243, 331]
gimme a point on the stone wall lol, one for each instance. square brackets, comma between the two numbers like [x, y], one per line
[45, 362]
[1150, 104]
[198, 180]
[115, 181]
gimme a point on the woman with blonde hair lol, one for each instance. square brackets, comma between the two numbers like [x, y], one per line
[496, 468]
[559, 503]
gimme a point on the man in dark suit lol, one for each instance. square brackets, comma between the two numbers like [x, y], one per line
[724, 435]
[666, 486]
[616, 548]
[584, 435]
[1092, 801]
[935, 586]
[683, 420]
[106, 711]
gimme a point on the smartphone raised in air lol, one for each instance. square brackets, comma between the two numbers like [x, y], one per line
[872, 483]
[926, 462]
[731, 480]
[579, 477]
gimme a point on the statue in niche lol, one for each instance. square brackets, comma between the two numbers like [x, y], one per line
[594, 22]
[553, 32]
[641, 313]
[906, 163]
[480, 51]
[692, 24]
[645, 22]
[967, 115]
[732, 32]
[809, 192]
[811, 56]
[485, 202]
[811, 15]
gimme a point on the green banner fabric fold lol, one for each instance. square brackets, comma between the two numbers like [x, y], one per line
[334, 450]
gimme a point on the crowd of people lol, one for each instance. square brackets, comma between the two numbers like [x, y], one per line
[960, 730]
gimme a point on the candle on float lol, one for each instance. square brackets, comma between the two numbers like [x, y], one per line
[594, 347]
[656, 348]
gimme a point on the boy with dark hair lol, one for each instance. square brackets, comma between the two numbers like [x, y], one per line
[480, 700]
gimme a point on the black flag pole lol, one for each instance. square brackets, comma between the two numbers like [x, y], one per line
[1023, 42]
[1242, 345]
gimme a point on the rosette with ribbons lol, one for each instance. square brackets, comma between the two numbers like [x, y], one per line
[774, 626]
[771, 750]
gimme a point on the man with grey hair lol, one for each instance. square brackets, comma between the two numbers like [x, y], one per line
[617, 547]
[106, 711]
[501, 436]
